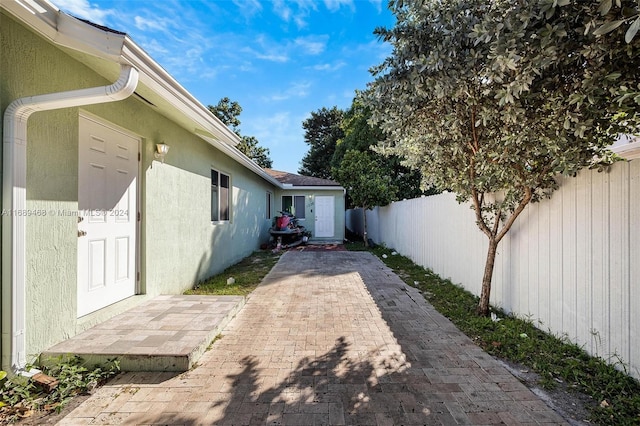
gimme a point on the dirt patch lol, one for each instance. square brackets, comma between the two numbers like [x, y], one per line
[573, 406]
[320, 247]
[38, 418]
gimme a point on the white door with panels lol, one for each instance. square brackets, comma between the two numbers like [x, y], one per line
[107, 214]
[325, 216]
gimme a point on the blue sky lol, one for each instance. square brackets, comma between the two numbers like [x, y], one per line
[280, 60]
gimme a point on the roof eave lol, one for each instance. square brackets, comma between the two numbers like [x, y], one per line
[234, 153]
[161, 82]
[312, 188]
[65, 30]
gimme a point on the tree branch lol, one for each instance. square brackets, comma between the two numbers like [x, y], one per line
[477, 206]
[474, 133]
[523, 203]
[496, 222]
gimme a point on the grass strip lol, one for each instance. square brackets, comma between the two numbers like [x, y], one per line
[616, 395]
[246, 275]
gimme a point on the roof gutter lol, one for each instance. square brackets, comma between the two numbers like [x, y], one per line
[14, 202]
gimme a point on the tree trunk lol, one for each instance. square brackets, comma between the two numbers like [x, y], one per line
[483, 305]
[495, 235]
[364, 227]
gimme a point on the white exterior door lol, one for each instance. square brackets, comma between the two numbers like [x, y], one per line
[325, 216]
[107, 204]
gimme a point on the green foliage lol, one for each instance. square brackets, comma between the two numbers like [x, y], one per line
[494, 100]
[518, 340]
[20, 397]
[250, 147]
[76, 379]
[360, 174]
[366, 180]
[499, 96]
[322, 132]
[612, 18]
[228, 112]
[247, 275]
[361, 136]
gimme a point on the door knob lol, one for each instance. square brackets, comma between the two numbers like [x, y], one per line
[82, 233]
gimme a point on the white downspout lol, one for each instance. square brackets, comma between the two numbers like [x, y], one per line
[14, 200]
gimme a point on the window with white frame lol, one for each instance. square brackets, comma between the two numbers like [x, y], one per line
[294, 204]
[220, 194]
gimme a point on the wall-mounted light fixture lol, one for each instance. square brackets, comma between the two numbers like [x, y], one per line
[161, 151]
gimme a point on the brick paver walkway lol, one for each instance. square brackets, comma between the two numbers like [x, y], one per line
[329, 338]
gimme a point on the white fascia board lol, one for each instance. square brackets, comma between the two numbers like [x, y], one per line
[64, 30]
[78, 35]
[161, 82]
[234, 153]
[70, 32]
[39, 15]
[211, 130]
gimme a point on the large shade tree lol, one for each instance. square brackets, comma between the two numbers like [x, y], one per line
[495, 99]
[361, 136]
[360, 172]
[322, 131]
[228, 112]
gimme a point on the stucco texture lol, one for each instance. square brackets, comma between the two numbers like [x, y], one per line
[179, 245]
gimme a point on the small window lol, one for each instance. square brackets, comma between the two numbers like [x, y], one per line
[294, 205]
[219, 196]
[287, 203]
[269, 195]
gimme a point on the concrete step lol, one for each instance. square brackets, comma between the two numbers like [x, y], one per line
[167, 333]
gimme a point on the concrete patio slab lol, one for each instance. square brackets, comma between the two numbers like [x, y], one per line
[328, 338]
[167, 333]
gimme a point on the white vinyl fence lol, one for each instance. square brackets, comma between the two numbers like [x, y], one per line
[570, 263]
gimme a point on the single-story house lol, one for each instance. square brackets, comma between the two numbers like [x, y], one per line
[317, 203]
[118, 185]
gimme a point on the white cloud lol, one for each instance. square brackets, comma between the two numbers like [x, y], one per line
[145, 24]
[282, 9]
[273, 51]
[267, 127]
[296, 90]
[268, 50]
[296, 10]
[156, 48]
[272, 57]
[248, 8]
[82, 9]
[329, 67]
[335, 5]
[312, 45]
[377, 4]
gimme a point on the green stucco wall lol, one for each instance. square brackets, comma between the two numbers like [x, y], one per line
[182, 243]
[178, 244]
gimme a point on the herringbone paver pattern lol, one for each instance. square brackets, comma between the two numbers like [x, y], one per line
[329, 338]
